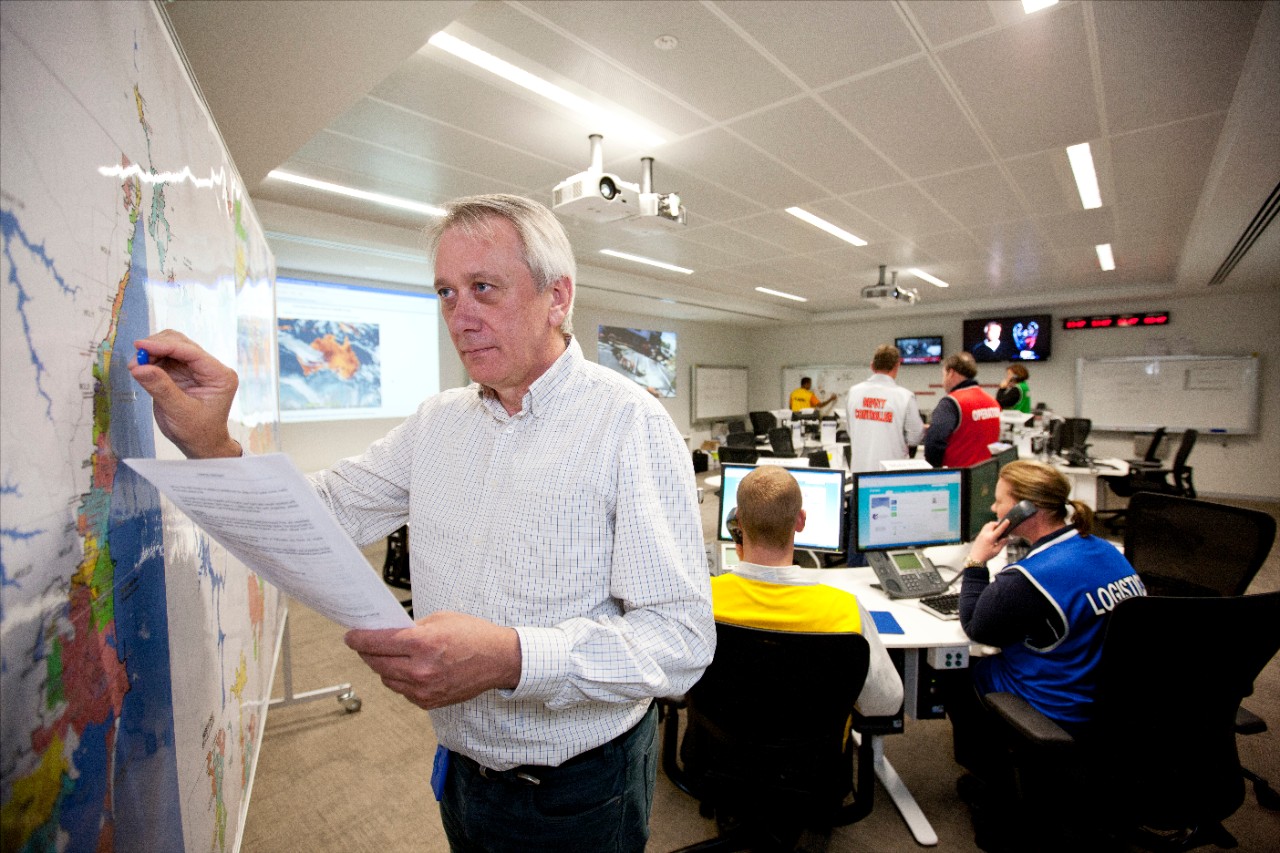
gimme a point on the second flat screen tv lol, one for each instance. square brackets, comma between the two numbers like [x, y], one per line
[923, 349]
[1019, 337]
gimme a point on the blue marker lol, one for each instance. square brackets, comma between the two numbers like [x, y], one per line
[144, 357]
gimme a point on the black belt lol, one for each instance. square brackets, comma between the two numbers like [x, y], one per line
[534, 774]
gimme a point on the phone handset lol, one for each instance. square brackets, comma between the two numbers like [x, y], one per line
[1021, 511]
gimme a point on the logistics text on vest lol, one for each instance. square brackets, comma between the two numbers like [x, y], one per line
[1115, 592]
[873, 409]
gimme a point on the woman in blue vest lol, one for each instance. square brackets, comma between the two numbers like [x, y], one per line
[1046, 612]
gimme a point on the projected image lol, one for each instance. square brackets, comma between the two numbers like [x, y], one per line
[329, 364]
[648, 358]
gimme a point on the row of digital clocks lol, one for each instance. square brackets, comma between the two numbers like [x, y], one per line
[1117, 321]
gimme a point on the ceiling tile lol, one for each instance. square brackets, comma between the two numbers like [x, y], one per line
[1168, 61]
[713, 70]
[1040, 93]
[823, 42]
[902, 208]
[977, 196]
[944, 21]
[805, 133]
[910, 118]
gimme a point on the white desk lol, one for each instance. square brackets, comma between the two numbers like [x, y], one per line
[1085, 484]
[921, 631]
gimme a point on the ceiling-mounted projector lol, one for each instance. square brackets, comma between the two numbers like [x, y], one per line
[594, 195]
[884, 294]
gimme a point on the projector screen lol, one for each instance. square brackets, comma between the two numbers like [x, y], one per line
[351, 351]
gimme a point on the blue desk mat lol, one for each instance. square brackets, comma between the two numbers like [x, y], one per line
[885, 623]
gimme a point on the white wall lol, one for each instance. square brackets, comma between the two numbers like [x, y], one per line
[1201, 325]
[1247, 466]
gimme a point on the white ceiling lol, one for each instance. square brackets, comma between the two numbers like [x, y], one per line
[934, 130]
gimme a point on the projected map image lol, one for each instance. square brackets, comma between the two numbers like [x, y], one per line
[645, 357]
[329, 364]
[136, 655]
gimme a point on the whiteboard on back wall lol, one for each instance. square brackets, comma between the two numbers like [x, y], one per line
[719, 392]
[1212, 394]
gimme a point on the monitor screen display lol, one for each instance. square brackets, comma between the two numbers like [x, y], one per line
[980, 494]
[907, 509]
[921, 350]
[1023, 337]
[822, 492]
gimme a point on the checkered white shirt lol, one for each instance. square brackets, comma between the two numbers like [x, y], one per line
[576, 521]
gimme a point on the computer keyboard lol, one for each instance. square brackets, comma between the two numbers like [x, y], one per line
[945, 606]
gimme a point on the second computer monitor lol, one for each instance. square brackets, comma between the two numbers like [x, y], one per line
[980, 493]
[907, 509]
[822, 495]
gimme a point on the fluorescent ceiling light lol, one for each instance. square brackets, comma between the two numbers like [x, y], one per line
[817, 222]
[599, 115]
[1030, 6]
[1086, 178]
[924, 275]
[1105, 259]
[783, 295]
[650, 261]
[365, 195]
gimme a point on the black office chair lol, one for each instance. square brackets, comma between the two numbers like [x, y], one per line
[780, 441]
[819, 459]
[738, 455]
[767, 749]
[1182, 546]
[1160, 766]
[1074, 441]
[736, 427]
[395, 566]
[1151, 458]
[762, 422]
[740, 439]
[1186, 547]
[1176, 480]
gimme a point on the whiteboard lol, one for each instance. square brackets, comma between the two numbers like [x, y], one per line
[1213, 394]
[828, 379]
[719, 392]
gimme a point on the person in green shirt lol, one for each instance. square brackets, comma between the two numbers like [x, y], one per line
[1014, 393]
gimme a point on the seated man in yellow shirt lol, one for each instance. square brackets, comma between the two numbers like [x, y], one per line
[803, 397]
[767, 590]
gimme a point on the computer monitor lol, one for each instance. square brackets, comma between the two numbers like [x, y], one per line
[979, 494]
[1004, 457]
[907, 509]
[822, 496]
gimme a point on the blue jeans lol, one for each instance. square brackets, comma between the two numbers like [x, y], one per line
[599, 801]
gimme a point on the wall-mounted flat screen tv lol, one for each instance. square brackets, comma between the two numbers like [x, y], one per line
[925, 349]
[1019, 337]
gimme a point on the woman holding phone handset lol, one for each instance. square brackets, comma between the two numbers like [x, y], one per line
[1047, 613]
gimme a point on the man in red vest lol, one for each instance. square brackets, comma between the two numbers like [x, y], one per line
[965, 421]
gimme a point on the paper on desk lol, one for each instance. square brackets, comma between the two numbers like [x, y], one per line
[262, 510]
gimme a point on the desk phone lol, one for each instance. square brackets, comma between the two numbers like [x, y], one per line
[906, 573]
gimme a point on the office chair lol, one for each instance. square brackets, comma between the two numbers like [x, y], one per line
[1159, 767]
[762, 422]
[395, 566]
[780, 441]
[736, 427]
[1075, 431]
[767, 747]
[1169, 481]
[740, 455]
[1186, 547]
[1151, 458]
[819, 459]
[740, 439]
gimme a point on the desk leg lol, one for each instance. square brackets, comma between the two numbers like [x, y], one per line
[907, 806]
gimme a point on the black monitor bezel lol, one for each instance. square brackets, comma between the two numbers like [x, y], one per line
[841, 520]
[851, 522]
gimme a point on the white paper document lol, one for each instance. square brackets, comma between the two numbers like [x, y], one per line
[263, 510]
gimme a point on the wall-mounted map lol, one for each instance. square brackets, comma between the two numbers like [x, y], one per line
[137, 655]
